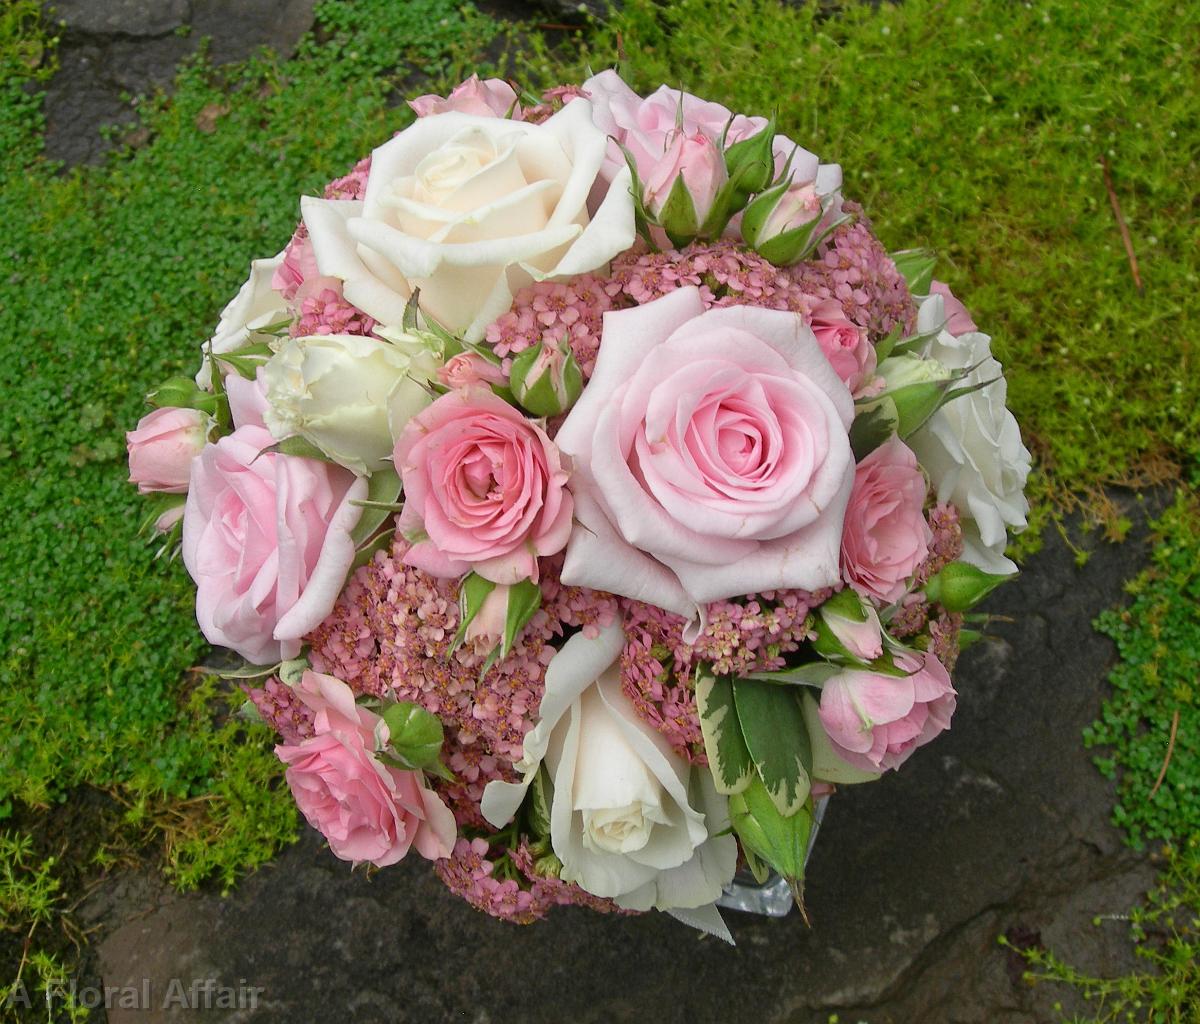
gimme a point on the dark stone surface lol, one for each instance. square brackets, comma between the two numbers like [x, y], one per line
[1001, 826]
[115, 50]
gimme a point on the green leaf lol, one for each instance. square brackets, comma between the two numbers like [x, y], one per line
[814, 673]
[872, 427]
[777, 739]
[383, 488]
[916, 267]
[415, 735]
[779, 840]
[297, 447]
[728, 758]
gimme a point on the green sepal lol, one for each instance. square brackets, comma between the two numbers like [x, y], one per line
[728, 757]
[538, 804]
[524, 599]
[752, 161]
[779, 841]
[183, 393]
[777, 739]
[960, 586]
[297, 447]
[872, 426]
[472, 592]
[678, 217]
[759, 211]
[414, 735]
[916, 267]
[247, 359]
[813, 673]
[886, 346]
[246, 671]
[383, 490]
[412, 309]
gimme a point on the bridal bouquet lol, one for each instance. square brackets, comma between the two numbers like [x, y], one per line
[588, 491]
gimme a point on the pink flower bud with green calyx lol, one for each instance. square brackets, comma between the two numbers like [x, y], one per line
[848, 626]
[681, 188]
[546, 379]
[960, 586]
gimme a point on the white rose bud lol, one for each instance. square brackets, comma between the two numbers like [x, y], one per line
[349, 395]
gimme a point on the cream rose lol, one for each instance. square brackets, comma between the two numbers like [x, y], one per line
[471, 209]
[349, 395]
[255, 306]
[971, 447]
[628, 819]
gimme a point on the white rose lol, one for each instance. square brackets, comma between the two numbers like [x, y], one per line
[971, 448]
[255, 306]
[347, 394]
[471, 209]
[628, 818]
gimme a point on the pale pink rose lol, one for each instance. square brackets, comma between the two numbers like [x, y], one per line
[697, 160]
[490, 98]
[484, 486]
[162, 447]
[875, 722]
[958, 320]
[468, 368]
[845, 344]
[646, 126]
[711, 456]
[886, 536]
[369, 811]
[266, 539]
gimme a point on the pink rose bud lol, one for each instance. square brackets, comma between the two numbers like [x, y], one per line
[845, 345]
[169, 518]
[367, 810]
[875, 722]
[486, 629]
[885, 537]
[162, 447]
[682, 186]
[546, 379]
[797, 207]
[491, 98]
[849, 625]
[469, 368]
[958, 320]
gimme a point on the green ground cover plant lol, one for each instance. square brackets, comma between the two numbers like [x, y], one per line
[939, 109]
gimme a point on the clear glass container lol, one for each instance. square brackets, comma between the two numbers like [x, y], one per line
[772, 898]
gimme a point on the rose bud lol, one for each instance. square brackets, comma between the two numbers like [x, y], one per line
[162, 447]
[546, 379]
[960, 586]
[469, 368]
[492, 615]
[916, 387]
[346, 394]
[849, 626]
[682, 186]
[785, 222]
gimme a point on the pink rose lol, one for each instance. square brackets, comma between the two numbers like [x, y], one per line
[646, 126]
[845, 344]
[162, 447]
[875, 722]
[266, 538]
[886, 536]
[491, 98]
[367, 810]
[697, 160]
[468, 368]
[711, 456]
[958, 320]
[485, 485]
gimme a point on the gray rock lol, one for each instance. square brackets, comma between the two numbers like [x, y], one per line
[113, 49]
[999, 826]
[137, 18]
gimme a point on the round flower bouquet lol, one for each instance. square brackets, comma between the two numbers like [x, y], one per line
[588, 493]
